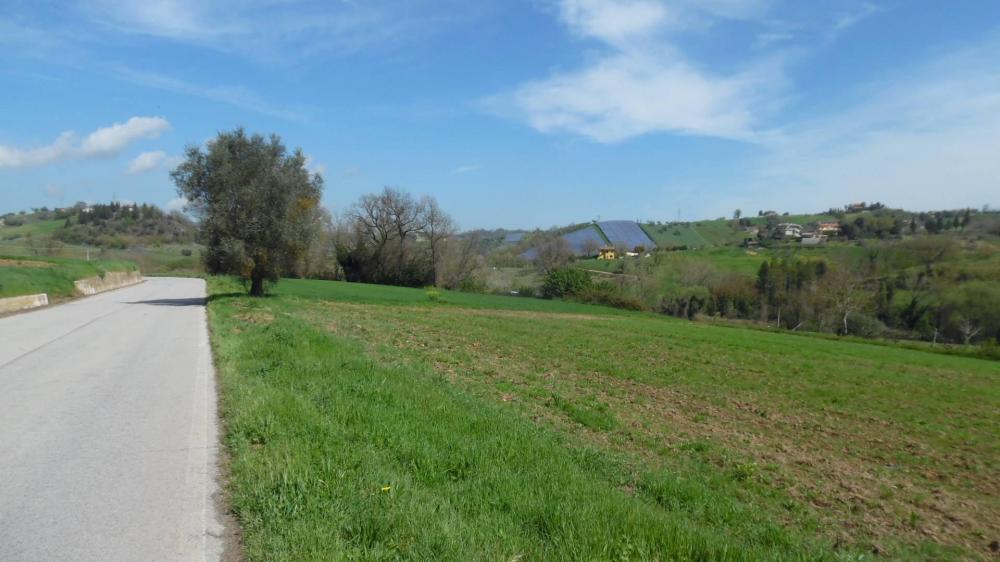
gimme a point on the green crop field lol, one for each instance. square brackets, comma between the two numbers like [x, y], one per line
[370, 422]
[55, 276]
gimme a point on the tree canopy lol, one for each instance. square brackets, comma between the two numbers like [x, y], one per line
[258, 205]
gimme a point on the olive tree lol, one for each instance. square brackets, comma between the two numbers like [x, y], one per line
[257, 202]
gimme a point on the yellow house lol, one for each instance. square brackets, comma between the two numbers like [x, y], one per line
[607, 253]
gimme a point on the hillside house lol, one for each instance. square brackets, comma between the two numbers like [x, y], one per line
[607, 253]
[788, 230]
[828, 228]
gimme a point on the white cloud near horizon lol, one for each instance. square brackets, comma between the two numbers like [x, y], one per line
[103, 142]
[643, 82]
[176, 204]
[915, 139]
[146, 161]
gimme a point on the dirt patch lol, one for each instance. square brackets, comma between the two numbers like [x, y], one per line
[255, 317]
[26, 264]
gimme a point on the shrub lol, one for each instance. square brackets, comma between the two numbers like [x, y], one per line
[564, 282]
[472, 285]
[607, 294]
[525, 291]
[186, 252]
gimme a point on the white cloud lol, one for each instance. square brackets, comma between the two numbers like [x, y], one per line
[106, 141]
[59, 149]
[614, 21]
[146, 161]
[464, 169]
[315, 167]
[921, 139]
[176, 204]
[644, 83]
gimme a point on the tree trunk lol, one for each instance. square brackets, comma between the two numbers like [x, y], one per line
[846, 313]
[256, 285]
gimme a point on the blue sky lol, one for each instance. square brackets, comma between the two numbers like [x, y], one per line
[515, 113]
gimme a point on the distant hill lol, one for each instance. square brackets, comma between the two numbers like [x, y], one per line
[112, 225]
[873, 221]
[156, 240]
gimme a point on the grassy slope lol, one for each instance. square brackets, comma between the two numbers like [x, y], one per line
[55, 276]
[718, 232]
[161, 259]
[373, 422]
[32, 227]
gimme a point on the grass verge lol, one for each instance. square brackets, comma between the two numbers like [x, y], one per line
[55, 276]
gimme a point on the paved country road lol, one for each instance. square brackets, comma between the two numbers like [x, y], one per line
[108, 434]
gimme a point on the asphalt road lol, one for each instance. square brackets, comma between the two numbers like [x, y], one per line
[108, 435]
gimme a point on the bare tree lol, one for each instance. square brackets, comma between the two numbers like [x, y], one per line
[406, 218]
[553, 253]
[371, 226]
[845, 292]
[439, 226]
[459, 258]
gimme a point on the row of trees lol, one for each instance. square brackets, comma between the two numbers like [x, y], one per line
[899, 289]
[261, 219]
[392, 238]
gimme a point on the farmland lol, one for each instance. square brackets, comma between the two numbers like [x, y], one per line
[388, 423]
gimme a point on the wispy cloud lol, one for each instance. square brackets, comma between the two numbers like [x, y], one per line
[644, 83]
[236, 96]
[465, 169]
[103, 142]
[277, 31]
[849, 20]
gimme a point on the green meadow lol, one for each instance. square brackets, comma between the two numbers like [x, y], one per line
[384, 423]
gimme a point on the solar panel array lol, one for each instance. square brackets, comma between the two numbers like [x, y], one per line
[513, 237]
[578, 242]
[627, 234]
[578, 239]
